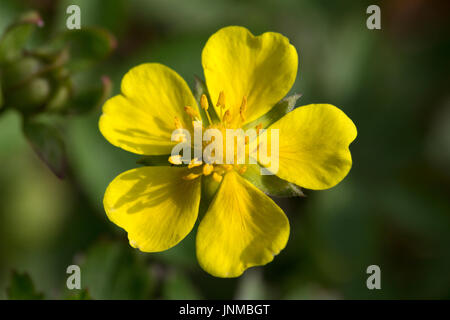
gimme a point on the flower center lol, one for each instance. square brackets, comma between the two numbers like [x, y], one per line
[215, 165]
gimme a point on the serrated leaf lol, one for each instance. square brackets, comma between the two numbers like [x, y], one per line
[271, 184]
[86, 46]
[199, 89]
[276, 113]
[47, 142]
[113, 270]
[22, 288]
[90, 99]
[16, 36]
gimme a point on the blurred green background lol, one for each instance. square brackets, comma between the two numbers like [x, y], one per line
[393, 209]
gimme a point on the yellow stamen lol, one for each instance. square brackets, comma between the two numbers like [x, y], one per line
[175, 159]
[192, 176]
[196, 123]
[217, 177]
[243, 108]
[207, 169]
[228, 167]
[258, 128]
[191, 112]
[221, 100]
[180, 137]
[204, 102]
[194, 163]
[242, 169]
[205, 105]
[178, 123]
[227, 117]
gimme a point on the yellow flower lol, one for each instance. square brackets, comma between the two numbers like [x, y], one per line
[158, 205]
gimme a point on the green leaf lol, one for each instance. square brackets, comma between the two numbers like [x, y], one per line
[271, 184]
[47, 142]
[90, 99]
[159, 160]
[16, 36]
[278, 111]
[1, 93]
[179, 287]
[199, 89]
[113, 270]
[86, 46]
[22, 288]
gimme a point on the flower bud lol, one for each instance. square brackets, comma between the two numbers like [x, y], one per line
[19, 71]
[58, 99]
[29, 97]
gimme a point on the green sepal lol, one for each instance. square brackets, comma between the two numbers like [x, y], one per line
[16, 36]
[90, 99]
[271, 184]
[86, 46]
[158, 160]
[199, 89]
[22, 288]
[48, 144]
[278, 111]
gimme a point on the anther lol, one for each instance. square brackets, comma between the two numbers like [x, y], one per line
[194, 163]
[192, 176]
[258, 128]
[175, 159]
[242, 169]
[221, 100]
[227, 167]
[243, 108]
[227, 117]
[205, 105]
[204, 102]
[178, 123]
[191, 112]
[207, 169]
[179, 137]
[217, 177]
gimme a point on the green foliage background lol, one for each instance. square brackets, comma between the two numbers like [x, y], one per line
[392, 210]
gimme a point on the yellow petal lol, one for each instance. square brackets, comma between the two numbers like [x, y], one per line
[148, 204]
[142, 118]
[242, 228]
[262, 69]
[314, 146]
